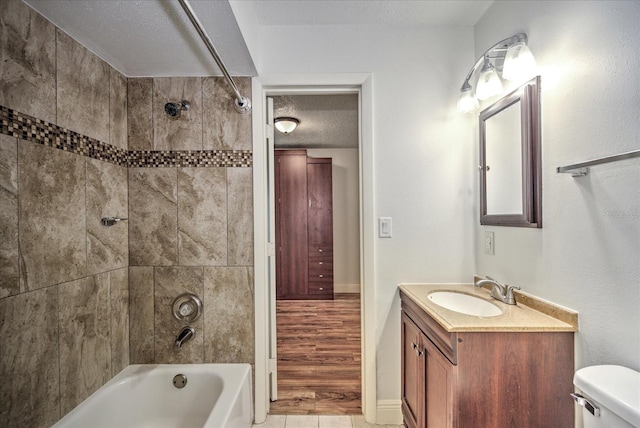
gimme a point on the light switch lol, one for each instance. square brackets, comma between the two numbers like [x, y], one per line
[384, 227]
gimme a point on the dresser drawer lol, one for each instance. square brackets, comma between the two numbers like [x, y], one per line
[316, 287]
[320, 267]
[321, 253]
[321, 277]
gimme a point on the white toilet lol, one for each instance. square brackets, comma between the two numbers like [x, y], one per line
[609, 395]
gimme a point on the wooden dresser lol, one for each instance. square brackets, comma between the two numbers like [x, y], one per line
[304, 226]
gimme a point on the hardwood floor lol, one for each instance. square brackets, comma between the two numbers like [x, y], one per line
[318, 356]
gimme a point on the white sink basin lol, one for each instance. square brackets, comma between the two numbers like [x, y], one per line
[465, 304]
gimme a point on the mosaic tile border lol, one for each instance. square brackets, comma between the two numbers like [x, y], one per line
[194, 158]
[39, 131]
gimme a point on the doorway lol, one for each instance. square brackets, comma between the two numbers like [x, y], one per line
[318, 336]
[262, 87]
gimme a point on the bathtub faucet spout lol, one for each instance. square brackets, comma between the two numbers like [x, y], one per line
[186, 334]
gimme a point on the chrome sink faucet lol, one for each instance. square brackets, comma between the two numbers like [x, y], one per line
[186, 334]
[504, 293]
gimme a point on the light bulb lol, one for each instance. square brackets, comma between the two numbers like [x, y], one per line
[519, 63]
[468, 102]
[489, 83]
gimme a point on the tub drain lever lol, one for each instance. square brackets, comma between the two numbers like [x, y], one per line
[179, 381]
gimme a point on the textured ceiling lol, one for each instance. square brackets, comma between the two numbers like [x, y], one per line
[148, 38]
[326, 121]
[370, 12]
[154, 37]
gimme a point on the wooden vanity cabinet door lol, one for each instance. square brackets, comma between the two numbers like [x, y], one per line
[440, 388]
[413, 374]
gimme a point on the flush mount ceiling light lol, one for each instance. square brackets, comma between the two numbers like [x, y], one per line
[511, 58]
[286, 125]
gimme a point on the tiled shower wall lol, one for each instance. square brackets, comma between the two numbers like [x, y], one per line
[64, 278]
[190, 221]
[67, 282]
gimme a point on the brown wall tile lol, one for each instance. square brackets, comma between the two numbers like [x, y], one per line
[119, 333]
[170, 282]
[141, 314]
[52, 216]
[153, 216]
[107, 247]
[240, 201]
[223, 127]
[228, 315]
[194, 217]
[202, 217]
[83, 89]
[184, 132]
[9, 276]
[28, 70]
[85, 348]
[140, 113]
[29, 359]
[117, 109]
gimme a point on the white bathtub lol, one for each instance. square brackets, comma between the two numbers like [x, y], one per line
[143, 396]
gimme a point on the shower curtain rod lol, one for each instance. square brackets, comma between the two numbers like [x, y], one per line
[242, 104]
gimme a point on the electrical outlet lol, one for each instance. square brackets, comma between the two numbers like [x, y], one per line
[489, 243]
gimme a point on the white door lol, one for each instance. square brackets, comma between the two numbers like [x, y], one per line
[271, 255]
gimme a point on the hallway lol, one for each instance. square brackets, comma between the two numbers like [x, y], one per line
[318, 357]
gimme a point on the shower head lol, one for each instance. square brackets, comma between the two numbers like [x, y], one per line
[173, 109]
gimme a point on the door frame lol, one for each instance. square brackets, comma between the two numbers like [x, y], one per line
[262, 87]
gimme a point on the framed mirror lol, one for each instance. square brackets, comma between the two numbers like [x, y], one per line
[510, 161]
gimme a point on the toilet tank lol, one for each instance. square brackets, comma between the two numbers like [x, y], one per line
[610, 396]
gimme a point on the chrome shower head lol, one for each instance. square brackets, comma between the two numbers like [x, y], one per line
[173, 109]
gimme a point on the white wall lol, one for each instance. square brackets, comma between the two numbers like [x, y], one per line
[346, 217]
[423, 154]
[587, 255]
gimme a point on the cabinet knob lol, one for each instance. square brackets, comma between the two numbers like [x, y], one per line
[320, 288]
[414, 346]
[320, 263]
[320, 249]
[419, 353]
[320, 276]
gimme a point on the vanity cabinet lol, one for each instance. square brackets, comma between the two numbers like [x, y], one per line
[494, 379]
[421, 360]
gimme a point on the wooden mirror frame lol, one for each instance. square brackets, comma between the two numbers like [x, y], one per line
[529, 97]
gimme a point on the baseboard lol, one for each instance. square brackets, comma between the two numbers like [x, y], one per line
[346, 288]
[389, 412]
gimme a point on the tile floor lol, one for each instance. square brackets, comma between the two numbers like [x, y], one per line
[318, 421]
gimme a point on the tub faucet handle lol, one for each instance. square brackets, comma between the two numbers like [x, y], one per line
[186, 334]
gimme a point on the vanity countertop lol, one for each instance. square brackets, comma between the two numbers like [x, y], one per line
[530, 314]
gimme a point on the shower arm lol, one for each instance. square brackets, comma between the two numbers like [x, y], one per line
[242, 104]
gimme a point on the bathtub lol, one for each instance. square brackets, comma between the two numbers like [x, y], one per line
[144, 396]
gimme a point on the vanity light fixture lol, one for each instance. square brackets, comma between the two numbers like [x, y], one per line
[286, 125]
[468, 101]
[510, 58]
[489, 84]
